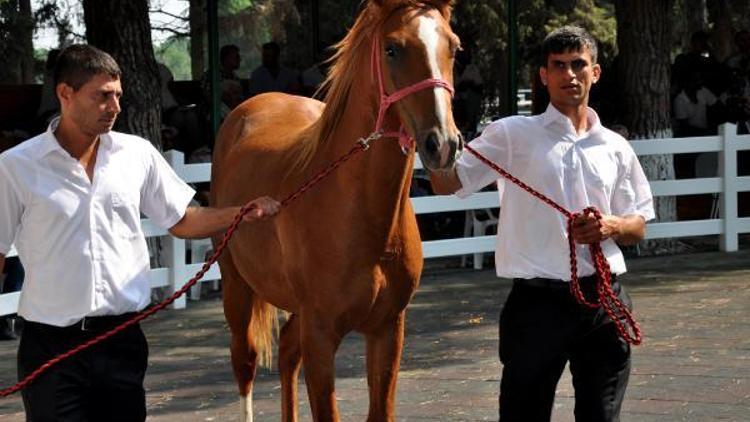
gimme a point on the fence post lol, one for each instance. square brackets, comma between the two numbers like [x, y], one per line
[729, 240]
[174, 246]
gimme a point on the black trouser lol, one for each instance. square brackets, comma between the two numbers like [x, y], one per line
[102, 383]
[542, 327]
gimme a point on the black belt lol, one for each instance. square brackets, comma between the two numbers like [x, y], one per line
[92, 323]
[551, 283]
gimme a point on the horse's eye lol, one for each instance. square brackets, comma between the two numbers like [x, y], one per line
[390, 51]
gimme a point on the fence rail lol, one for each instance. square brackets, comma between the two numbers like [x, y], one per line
[726, 184]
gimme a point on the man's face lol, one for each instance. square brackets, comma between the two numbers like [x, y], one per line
[94, 107]
[270, 58]
[569, 76]
[232, 60]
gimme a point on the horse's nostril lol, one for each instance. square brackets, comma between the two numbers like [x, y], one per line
[431, 143]
[460, 138]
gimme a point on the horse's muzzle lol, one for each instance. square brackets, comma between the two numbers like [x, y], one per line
[438, 150]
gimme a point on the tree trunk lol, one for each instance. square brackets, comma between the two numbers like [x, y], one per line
[26, 32]
[697, 19]
[644, 43]
[16, 46]
[722, 36]
[122, 29]
[197, 38]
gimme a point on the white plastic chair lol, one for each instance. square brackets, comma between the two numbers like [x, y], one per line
[476, 224]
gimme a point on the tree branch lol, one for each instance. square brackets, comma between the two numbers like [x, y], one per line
[172, 31]
[171, 15]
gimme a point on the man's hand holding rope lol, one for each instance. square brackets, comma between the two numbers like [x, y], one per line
[626, 230]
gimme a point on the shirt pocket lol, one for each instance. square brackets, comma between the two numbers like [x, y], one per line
[126, 220]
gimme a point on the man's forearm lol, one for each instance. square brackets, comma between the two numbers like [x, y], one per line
[202, 222]
[631, 230]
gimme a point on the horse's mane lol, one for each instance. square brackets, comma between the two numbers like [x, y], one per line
[346, 64]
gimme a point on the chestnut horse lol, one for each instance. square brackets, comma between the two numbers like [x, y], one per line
[346, 256]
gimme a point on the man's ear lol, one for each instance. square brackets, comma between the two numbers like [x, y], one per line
[64, 93]
[543, 75]
[597, 73]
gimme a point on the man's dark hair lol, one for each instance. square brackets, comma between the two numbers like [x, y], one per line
[78, 63]
[227, 50]
[273, 47]
[568, 38]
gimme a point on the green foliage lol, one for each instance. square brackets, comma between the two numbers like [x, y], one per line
[232, 7]
[175, 54]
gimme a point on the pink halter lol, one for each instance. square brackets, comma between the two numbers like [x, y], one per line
[404, 139]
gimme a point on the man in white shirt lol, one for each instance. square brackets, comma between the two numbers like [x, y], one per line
[71, 200]
[567, 155]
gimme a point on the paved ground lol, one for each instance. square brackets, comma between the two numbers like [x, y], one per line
[694, 364]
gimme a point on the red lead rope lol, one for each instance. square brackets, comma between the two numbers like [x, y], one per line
[362, 145]
[607, 298]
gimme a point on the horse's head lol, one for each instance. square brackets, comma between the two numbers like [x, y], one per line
[416, 44]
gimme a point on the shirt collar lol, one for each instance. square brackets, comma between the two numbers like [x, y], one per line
[50, 143]
[553, 115]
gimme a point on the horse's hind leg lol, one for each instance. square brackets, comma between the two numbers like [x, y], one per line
[383, 359]
[290, 357]
[238, 307]
[320, 340]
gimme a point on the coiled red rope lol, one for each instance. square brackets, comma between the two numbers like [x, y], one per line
[362, 145]
[629, 331]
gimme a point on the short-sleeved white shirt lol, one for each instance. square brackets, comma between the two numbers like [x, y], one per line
[596, 168]
[80, 242]
[694, 113]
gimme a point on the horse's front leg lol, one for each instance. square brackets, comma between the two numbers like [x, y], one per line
[320, 340]
[383, 360]
[290, 357]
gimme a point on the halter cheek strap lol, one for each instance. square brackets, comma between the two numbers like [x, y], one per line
[404, 139]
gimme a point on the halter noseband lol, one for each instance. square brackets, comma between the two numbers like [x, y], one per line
[404, 139]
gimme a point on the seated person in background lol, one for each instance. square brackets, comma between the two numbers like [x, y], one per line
[229, 62]
[181, 128]
[313, 76]
[231, 96]
[691, 108]
[271, 76]
[691, 115]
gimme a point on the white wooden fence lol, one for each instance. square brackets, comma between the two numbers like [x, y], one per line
[726, 184]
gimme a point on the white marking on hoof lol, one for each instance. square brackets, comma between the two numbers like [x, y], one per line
[246, 408]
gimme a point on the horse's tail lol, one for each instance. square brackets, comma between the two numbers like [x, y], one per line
[264, 326]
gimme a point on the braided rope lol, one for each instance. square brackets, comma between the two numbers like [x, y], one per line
[629, 331]
[362, 145]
